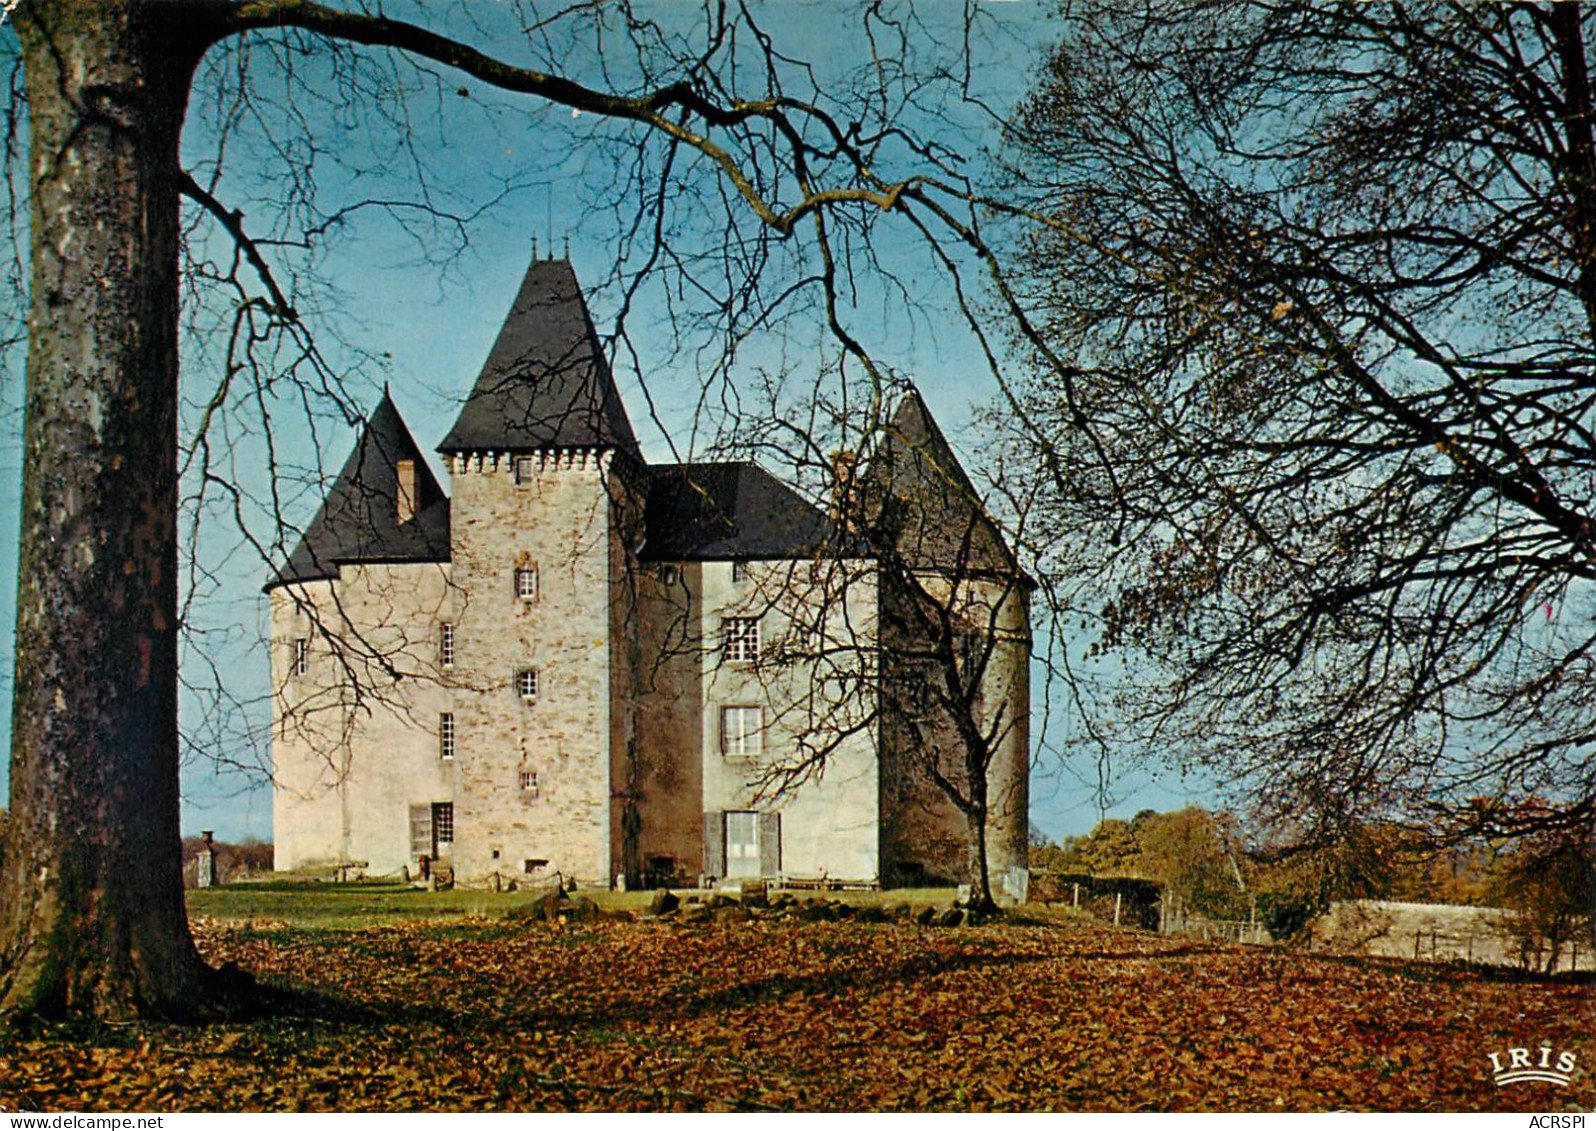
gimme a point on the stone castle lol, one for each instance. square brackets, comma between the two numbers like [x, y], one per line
[580, 664]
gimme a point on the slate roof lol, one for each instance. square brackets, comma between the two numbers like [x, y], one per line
[546, 383]
[916, 496]
[708, 511]
[359, 520]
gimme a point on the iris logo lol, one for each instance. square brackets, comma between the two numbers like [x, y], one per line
[1521, 1065]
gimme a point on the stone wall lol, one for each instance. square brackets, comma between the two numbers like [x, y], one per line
[817, 637]
[372, 684]
[670, 766]
[558, 521]
[925, 836]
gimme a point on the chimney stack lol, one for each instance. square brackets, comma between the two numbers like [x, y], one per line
[844, 506]
[406, 494]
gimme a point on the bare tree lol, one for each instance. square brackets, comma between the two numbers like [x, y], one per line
[912, 628]
[794, 169]
[1310, 304]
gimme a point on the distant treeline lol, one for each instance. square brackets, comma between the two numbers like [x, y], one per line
[1212, 864]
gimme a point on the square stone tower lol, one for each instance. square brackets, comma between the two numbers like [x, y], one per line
[547, 481]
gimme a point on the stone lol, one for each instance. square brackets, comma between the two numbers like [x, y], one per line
[951, 917]
[925, 915]
[581, 908]
[663, 901]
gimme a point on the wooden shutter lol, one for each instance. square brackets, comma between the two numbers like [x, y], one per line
[769, 844]
[715, 844]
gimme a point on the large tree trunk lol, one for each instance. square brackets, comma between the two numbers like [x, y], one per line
[91, 902]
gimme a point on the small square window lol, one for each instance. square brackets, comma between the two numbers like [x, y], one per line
[739, 572]
[529, 781]
[526, 683]
[525, 470]
[740, 638]
[446, 645]
[533, 867]
[301, 655]
[668, 575]
[742, 731]
[446, 735]
[526, 582]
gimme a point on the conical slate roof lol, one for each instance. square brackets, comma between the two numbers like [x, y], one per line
[359, 520]
[917, 498]
[546, 383]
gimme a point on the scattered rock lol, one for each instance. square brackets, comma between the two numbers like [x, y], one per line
[581, 908]
[697, 913]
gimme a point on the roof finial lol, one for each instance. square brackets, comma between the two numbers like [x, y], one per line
[548, 216]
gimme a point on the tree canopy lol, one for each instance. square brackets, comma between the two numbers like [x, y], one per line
[1312, 304]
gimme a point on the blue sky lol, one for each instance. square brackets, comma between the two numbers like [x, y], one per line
[423, 329]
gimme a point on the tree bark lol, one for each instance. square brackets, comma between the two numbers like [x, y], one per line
[92, 920]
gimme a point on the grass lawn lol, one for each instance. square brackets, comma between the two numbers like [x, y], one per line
[424, 1001]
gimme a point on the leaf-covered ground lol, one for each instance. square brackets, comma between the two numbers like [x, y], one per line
[479, 1015]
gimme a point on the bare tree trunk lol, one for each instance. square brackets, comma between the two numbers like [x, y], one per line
[91, 902]
[981, 901]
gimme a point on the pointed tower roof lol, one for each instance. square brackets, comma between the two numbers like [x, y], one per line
[546, 383]
[914, 491]
[360, 519]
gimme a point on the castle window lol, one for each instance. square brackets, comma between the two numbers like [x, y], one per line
[742, 731]
[526, 582]
[446, 645]
[533, 867]
[446, 735]
[301, 655]
[529, 782]
[740, 638]
[443, 824]
[526, 683]
[525, 470]
[739, 572]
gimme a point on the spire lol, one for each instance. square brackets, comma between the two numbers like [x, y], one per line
[385, 506]
[546, 383]
[915, 491]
